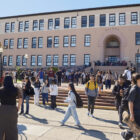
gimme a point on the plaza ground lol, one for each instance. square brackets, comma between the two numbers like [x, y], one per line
[44, 124]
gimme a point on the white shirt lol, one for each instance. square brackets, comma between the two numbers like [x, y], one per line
[53, 90]
[128, 73]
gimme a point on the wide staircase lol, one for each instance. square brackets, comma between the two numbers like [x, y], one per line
[105, 101]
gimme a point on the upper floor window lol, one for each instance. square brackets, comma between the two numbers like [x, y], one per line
[5, 60]
[72, 59]
[6, 43]
[49, 42]
[10, 60]
[122, 19]
[65, 60]
[84, 21]
[87, 59]
[56, 41]
[20, 27]
[18, 60]
[26, 26]
[11, 44]
[25, 43]
[87, 40]
[112, 19]
[73, 22]
[57, 23]
[73, 41]
[66, 41]
[12, 26]
[40, 42]
[91, 20]
[55, 60]
[138, 38]
[67, 22]
[41, 24]
[50, 24]
[134, 18]
[33, 60]
[35, 25]
[19, 43]
[24, 61]
[48, 60]
[39, 60]
[103, 20]
[34, 42]
[7, 27]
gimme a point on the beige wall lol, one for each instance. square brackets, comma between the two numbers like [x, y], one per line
[125, 34]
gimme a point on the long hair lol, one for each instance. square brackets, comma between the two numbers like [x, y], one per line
[72, 88]
[8, 82]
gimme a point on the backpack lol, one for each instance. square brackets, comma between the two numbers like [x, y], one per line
[79, 102]
[31, 91]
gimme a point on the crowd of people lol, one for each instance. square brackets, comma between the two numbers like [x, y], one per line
[126, 89]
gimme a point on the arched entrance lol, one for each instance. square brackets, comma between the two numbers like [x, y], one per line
[112, 49]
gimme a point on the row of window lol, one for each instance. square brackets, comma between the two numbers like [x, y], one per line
[86, 21]
[23, 43]
[37, 60]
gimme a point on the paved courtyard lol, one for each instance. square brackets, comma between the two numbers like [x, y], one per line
[44, 124]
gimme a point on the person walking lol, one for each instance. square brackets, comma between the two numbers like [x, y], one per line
[8, 109]
[108, 79]
[45, 91]
[59, 77]
[71, 111]
[41, 76]
[53, 92]
[91, 91]
[99, 81]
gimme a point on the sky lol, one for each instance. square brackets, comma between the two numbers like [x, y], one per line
[20, 7]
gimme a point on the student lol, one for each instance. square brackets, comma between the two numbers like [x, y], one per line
[91, 91]
[108, 78]
[45, 91]
[59, 77]
[71, 99]
[9, 110]
[134, 105]
[41, 76]
[53, 92]
[99, 81]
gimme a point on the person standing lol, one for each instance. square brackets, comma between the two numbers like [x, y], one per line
[41, 76]
[26, 85]
[37, 86]
[91, 91]
[59, 77]
[51, 75]
[77, 78]
[8, 109]
[53, 92]
[127, 74]
[99, 81]
[108, 79]
[71, 99]
[45, 91]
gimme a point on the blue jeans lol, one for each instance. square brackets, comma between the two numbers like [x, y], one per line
[108, 84]
[71, 111]
[44, 98]
[25, 97]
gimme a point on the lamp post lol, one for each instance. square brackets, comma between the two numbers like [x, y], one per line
[1, 65]
[26, 58]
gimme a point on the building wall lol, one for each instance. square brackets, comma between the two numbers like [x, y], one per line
[125, 34]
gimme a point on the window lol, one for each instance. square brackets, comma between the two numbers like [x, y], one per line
[13, 27]
[57, 23]
[7, 27]
[87, 59]
[122, 19]
[84, 21]
[66, 41]
[56, 41]
[87, 40]
[91, 20]
[40, 42]
[10, 60]
[66, 22]
[11, 44]
[50, 24]
[72, 59]
[73, 22]
[134, 18]
[39, 60]
[18, 60]
[112, 20]
[112, 59]
[5, 43]
[24, 61]
[55, 60]
[103, 20]
[34, 42]
[19, 43]
[5, 60]
[26, 26]
[65, 60]
[49, 42]
[33, 60]
[48, 60]
[41, 24]
[73, 41]
[35, 25]
[138, 38]
[25, 43]
[20, 28]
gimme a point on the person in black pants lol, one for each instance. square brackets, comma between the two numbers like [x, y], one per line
[77, 78]
[59, 77]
